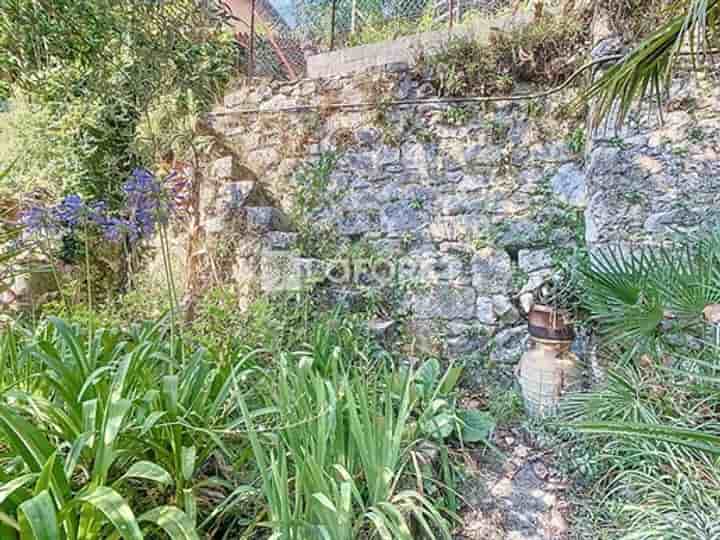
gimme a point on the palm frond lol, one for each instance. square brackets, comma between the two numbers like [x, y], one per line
[647, 69]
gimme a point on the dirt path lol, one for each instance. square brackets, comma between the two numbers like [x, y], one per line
[517, 496]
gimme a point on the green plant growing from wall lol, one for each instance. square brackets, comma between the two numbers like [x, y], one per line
[457, 115]
[524, 54]
[576, 140]
[312, 194]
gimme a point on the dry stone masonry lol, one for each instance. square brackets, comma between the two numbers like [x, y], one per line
[458, 211]
[452, 219]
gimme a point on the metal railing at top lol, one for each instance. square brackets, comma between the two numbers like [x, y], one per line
[276, 36]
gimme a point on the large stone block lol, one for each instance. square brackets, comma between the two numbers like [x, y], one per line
[492, 272]
[569, 185]
[401, 216]
[281, 271]
[229, 168]
[444, 301]
[509, 345]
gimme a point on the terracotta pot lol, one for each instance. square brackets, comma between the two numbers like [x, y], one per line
[545, 322]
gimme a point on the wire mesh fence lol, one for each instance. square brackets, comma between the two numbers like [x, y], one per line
[276, 36]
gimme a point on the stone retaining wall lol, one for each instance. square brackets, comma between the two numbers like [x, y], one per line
[451, 221]
[470, 206]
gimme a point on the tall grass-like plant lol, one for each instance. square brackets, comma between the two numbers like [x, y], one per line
[95, 424]
[334, 464]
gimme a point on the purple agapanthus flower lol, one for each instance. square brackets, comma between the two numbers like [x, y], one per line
[117, 229]
[151, 201]
[71, 211]
[38, 219]
[66, 215]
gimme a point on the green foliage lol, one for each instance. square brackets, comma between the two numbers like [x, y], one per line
[376, 26]
[646, 72]
[525, 54]
[301, 424]
[576, 140]
[440, 418]
[72, 423]
[457, 116]
[657, 444]
[650, 296]
[344, 441]
[505, 405]
[654, 420]
[312, 194]
[92, 81]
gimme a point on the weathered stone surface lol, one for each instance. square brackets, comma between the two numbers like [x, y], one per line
[532, 260]
[367, 136]
[527, 301]
[457, 228]
[485, 310]
[509, 345]
[282, 271]
[652, 181]
[449, 201]
[457, 199]
[444, 302]
[443, 268]
[397, 217]
[464, 345]
[492, 271]
[225, 167]
[264, 219]
[504, 309]
[569, 185]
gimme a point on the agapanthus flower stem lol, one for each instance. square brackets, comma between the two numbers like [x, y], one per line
[172, 293]
[88, 277]
[56, 276]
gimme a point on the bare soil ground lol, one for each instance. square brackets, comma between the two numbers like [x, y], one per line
[518, 494]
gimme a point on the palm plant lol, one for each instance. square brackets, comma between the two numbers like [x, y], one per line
[662, 457]
[647, 69]
[648, 297]
[656, 416]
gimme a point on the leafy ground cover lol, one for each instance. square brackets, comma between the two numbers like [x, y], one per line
[110, 433]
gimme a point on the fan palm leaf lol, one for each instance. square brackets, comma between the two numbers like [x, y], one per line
[647, 69]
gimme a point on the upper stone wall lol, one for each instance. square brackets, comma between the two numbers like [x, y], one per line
[474, 207]
[650, 180]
